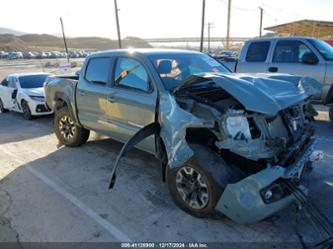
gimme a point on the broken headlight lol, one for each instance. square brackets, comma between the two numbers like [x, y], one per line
[237, 126]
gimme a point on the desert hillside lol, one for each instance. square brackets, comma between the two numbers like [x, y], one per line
[44, 42]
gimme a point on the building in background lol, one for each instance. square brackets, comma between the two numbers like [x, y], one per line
[318, 29]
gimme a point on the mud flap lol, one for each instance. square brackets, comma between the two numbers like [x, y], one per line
[151, 129]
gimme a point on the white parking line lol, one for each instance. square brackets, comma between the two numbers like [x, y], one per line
[112, 229]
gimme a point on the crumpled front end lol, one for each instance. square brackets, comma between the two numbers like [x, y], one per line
[263, 194]
[284, 144]
[264, 139]
[267, 145]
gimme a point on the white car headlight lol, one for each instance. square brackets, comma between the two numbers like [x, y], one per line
[238, 127]
[37, 98]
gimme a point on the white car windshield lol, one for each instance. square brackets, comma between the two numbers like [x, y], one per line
[32, 81]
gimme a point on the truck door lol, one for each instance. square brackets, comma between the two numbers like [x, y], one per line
[131, 103]
[92, 91]
[255, 60]
[292, 57]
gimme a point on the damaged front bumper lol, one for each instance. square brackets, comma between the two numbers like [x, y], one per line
[244, 201]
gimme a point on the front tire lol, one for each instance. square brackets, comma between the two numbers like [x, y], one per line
[2, 108]
[67, 131]
[197, 186]
[26, 110]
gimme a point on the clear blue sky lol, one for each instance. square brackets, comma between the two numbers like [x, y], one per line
[155, 18]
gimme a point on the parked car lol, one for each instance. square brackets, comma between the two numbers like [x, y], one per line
[28, 55]
[15, 55]
[293, 55]
[226, 142]
[3, 55]
[24, 93]
[226, 56]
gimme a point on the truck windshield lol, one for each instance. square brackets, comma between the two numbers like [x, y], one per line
[32, 81]
[176, 67]
[324, 49]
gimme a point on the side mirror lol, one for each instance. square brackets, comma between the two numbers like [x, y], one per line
[310, 58]
[14, 94]
[78, 72]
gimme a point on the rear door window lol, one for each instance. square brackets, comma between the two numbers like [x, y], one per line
[290, 51]
[131, 74]
[98, 70]
[257, 51]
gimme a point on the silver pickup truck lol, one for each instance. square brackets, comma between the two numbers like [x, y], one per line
[227, 143]
[292, 55]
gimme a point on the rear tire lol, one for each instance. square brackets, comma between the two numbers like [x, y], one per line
[2, 108]
[26, 110]
[67, 131]
[194, 186]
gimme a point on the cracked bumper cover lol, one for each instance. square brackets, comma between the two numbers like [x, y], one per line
[242, 201]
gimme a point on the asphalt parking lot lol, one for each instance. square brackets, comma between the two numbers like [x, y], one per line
[50, 194]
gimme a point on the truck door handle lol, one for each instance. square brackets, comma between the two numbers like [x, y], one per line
[82, 93]
[273, 69]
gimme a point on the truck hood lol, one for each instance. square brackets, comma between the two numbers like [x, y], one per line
[33, 91]
[262, 93]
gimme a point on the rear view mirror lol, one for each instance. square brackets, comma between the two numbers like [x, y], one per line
[309, 58]
[14, 94]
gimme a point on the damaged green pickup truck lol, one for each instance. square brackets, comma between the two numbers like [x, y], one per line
[226, 142]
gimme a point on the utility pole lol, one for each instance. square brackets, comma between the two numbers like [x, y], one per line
[209, 27]
[202, 25]
[228, 25]
[260, 26]
[117, 21]
[64, 37]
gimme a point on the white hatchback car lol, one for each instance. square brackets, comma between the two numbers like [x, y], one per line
[24, 93]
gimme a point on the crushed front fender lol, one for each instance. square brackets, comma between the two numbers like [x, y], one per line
[174, 123]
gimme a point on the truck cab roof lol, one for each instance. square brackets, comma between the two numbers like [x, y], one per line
[141, 51]
[281, 38]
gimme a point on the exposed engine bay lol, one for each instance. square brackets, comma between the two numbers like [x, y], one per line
[254, 136]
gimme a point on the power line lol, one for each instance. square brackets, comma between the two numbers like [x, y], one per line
[271, 7]
[239, 8]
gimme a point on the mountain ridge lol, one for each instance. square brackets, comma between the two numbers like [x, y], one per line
[47, 42]
[4, 30]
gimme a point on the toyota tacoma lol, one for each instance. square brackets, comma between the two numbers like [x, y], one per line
[226, 142]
